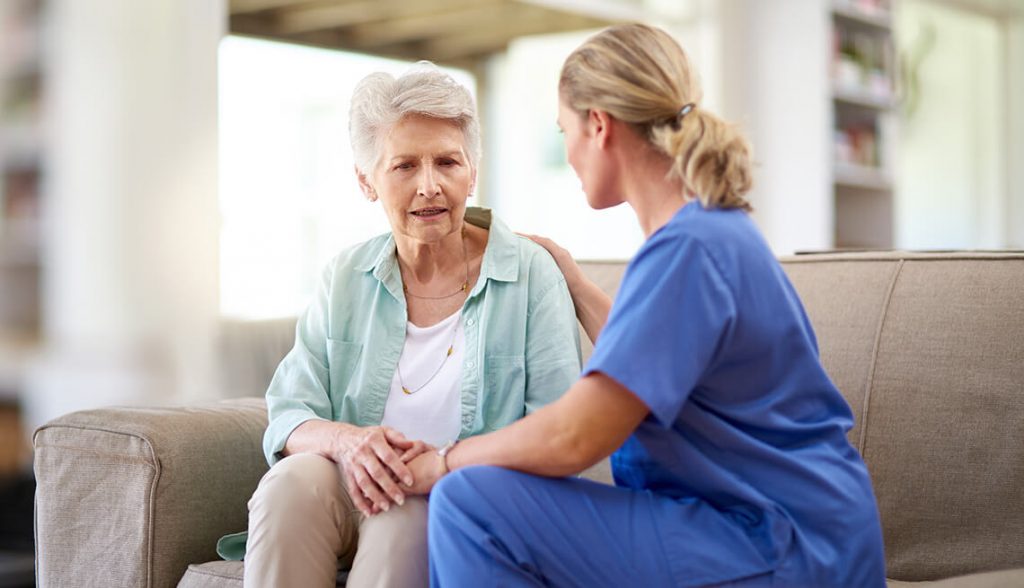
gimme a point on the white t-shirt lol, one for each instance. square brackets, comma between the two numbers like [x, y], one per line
[432, 413]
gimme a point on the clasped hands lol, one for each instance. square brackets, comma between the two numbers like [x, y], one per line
[380, 467]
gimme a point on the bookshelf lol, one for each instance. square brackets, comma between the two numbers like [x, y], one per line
[21, 176]
[862, 92]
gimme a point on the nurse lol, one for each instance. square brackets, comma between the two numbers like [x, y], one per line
[728, 439]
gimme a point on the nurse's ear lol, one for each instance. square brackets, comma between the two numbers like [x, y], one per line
[365, 186]
[599, 126]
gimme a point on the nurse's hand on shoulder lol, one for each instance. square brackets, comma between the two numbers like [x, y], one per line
[566, 264]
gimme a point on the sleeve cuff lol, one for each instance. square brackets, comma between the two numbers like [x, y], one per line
[280, 429]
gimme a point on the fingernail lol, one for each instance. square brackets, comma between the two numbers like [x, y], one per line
[400, 499]
[407, 480]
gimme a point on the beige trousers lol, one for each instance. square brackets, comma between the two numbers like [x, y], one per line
[303, 528]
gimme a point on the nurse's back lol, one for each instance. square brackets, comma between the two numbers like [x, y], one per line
[762, 432]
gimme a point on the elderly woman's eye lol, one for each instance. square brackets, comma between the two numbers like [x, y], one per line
[404, 165]
[448, 161]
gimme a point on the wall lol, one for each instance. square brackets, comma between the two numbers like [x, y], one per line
[1015, 130]
[528, 181]
[763, 65]
[131, 220]
[952, 190]
[774, 83]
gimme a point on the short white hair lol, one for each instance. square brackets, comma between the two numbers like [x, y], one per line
[380, 100]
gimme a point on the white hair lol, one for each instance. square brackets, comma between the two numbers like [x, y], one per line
[380, 100]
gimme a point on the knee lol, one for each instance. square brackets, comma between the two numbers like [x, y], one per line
[464, 492]
[399, 529]
[297, 482]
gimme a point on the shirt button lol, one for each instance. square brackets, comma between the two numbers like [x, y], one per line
[470, 322]
[470, 364]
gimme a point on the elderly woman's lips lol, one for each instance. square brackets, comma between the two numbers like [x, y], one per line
[429, 211]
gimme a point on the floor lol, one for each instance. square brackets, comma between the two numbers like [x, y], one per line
[17, 493]
[17, 570]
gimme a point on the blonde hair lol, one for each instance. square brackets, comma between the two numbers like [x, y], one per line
[380, 100]
[640, 75]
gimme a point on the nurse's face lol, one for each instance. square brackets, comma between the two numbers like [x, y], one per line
[586, 157]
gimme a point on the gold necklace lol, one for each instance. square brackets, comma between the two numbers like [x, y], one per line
[465, 283]
[451, 349]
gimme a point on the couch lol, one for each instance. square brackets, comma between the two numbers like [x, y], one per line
[928, 349]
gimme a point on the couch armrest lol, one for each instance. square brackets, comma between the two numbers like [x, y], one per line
[131, 496]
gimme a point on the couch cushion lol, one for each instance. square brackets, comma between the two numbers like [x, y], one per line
[1001, 579]
[607, 275]
[249, 352]
[937, 368]
[845, 299]
[226, 574]
[131, 496]
[944, 438]
[213, 574]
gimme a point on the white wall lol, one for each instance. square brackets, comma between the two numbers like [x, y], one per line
[775, 84]
[1015, 131]
[763, 65]
[527, 181]
[952, 189]
[131, 220]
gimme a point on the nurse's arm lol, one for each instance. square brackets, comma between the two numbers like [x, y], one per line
[585, 425]
[592, 304]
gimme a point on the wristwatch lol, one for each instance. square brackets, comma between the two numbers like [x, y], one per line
[443, 452]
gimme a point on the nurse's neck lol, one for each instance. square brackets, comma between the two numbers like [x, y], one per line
[654, 195]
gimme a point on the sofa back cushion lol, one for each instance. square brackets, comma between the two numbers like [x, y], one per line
[929, 351]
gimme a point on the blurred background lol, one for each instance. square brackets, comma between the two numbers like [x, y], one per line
[172, 170]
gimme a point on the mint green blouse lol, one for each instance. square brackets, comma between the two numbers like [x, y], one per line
[522, 342]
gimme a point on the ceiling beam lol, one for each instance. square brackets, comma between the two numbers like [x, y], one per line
[247, 6]
[607, 10]
[443, 31]
[328, 15]
[490, 18]
[479, 43]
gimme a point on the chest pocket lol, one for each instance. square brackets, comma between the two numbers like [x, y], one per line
[503, 391]
[342, 361]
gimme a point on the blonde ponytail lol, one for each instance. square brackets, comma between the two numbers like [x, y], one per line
[640, 75]
[710, 156]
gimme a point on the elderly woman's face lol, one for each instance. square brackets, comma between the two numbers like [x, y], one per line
[423, 178]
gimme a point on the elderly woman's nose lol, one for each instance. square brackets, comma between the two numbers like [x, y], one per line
[428, 184]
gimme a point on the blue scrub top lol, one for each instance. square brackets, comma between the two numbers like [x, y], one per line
[746, 430]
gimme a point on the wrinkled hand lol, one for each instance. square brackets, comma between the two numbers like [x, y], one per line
[418, 448]
[373, 467]
[427, 469]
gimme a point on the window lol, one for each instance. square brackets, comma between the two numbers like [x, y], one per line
[288, 195]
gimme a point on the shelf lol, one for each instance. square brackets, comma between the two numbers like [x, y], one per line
[17, 348]
[879, 21]
[862, 99]
[849, 175]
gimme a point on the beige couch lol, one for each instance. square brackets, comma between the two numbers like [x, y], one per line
[927, 348]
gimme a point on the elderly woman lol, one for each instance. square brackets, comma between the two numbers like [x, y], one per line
[446, 327]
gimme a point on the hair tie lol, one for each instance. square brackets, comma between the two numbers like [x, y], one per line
[685, 110]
